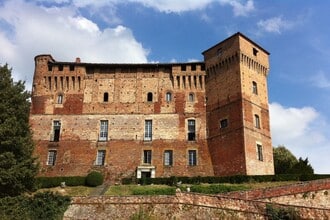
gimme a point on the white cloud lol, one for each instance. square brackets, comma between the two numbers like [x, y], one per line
[274, 25]
[239, 8]
[304, 132]
[64, 34]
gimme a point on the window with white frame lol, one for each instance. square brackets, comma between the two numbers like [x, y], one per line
[147, 156]
[100, 158]
[103, 130]
[192, 157]
[56, 130]
[168, 157]
[259, 152]
[148, 130]
[51, 159]
[191, 130]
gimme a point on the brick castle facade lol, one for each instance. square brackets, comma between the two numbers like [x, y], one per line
[155, 120]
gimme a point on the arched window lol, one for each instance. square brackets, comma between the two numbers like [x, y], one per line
[191, 97]
[60, 99]
[105, 97]
[168, 97]
[149, 97]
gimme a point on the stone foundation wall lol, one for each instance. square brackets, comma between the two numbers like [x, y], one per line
[181, 206]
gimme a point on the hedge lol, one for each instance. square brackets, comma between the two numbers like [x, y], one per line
[224, 179]
[49, 182]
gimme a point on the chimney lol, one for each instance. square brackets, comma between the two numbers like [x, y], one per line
[78, 60]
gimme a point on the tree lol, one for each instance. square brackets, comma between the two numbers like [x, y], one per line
[17, 165]
[285, 162]
[302, 167]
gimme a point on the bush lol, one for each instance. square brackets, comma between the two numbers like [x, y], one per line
[49, 182]
[224, 179]
[215, 189]
[274, 213]
[94, 178]
[41, 206]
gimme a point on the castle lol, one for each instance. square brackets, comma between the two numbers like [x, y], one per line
[151, 120]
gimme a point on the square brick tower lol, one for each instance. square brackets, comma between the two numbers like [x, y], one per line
[237, 112]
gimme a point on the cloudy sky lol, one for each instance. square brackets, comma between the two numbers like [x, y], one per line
[295, 32]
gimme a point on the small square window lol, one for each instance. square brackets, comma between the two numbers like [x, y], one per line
[224, 123]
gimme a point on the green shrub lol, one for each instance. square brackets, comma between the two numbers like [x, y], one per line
[94, 178]
[217, 188]
[224, 179]
[45, 205]
[49, 182]
[275, 213]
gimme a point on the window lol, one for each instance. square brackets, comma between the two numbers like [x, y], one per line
[71, 67]
[259, 152]
[254, 88]
[56, 130]
[51, 159]
[191, 130]
[148, 130]
[60, 99]
[168, 158]
[100, 158]
[147, 156]
[224, 123]
[257, 121]
[183, 67]
[168, 97]
[60, 68]
[193, 67]
[105, 97]
[103, 130]
[255, 51]
[191, 97]
[149, 97]
[192, 157]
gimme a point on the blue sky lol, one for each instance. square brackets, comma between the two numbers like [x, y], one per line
[295, 32]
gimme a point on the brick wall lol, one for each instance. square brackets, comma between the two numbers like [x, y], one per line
[181, 206]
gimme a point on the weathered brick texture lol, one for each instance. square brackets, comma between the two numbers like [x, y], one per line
[78, 97]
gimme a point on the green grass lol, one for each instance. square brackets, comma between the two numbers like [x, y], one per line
[71, 190]
[124, 190]
[217, 188]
